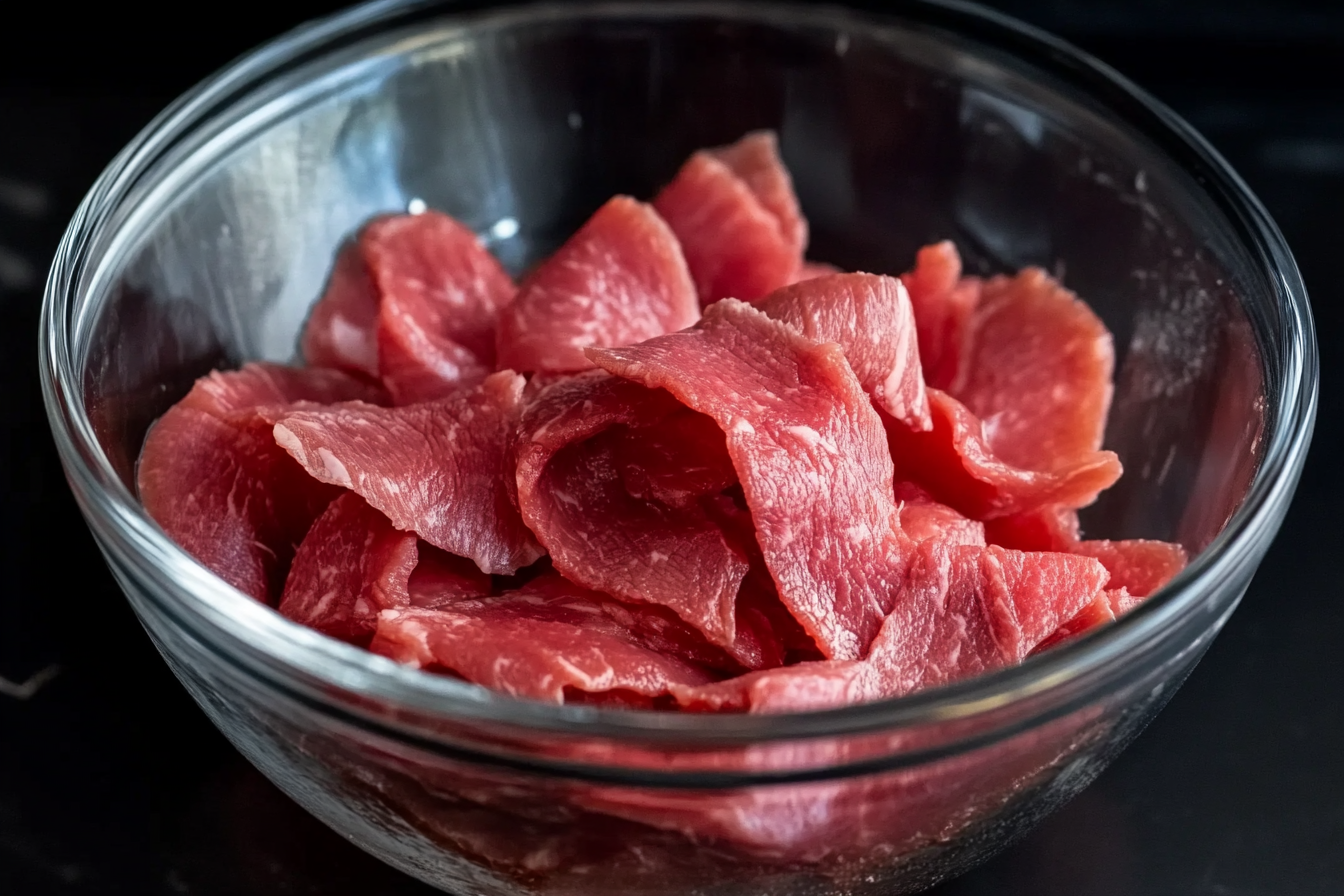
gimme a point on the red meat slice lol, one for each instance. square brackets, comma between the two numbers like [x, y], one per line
[341, 331]
[441, 578]
[924, 519]
[676, 461]
[943, 301]
[735, 246]
[1037, 370]
[956, 464]
[571, 494]
[351, 564]
[543, 642]
[1047, 528]
[620, 279]
[1105, 607]
[212, 476]
[437, 469]
[963, 611]
[871, 319]
[413, 301]
[809, 450]
[1139, 566]
[755, 159]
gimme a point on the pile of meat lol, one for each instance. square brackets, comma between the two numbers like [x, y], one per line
[677, 466]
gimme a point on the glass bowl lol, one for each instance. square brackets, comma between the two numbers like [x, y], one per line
[207, 239]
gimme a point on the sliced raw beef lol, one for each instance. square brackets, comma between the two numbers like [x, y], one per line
[809, 451]
[1139, 566]
[261, 384]
[943, 301]
[1037, 370]
[956, 464]
[924, 519]
[351, 564]
[430, 293]
[734, 244]
[441, 578]
[1106, 607]
[755, 159]
[620, 279]
[342, 328]
[212, 476]
[544, 643]
[571, 444]
[963, 611]
[1047, 528]
[870, 317]
[813, 269]
[437, 469]
[676, 461]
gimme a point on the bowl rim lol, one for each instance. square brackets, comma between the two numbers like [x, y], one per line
[283, 653]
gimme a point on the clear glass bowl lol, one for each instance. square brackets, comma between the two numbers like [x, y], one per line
[206, 240]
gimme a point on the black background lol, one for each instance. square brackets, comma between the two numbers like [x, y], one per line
[111, 781]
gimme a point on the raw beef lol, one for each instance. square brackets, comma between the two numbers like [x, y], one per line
[809, 451]
[571, 445]
[351, 564]
[432, 294]
[943, 302]
[924, 519]
[956, 464]
[1036, 368]
[620, 279]
[545, 642]
[755, 159]
[871, 319]
[736, 244]
[212, 476]
[437, 469]
[1140, 566]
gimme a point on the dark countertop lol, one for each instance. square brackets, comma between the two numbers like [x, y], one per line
[111, 781]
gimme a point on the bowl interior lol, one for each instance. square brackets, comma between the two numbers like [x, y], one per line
[521, 122]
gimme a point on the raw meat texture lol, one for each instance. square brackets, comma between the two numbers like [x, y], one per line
[755, 159]
[809, 451]
[676, 461]
[414, 301]
[259, 384]
[351, 564]
[1139, 566]
[964, 610]
[342, 328]
[437, 469]
[1047, 528]
[924, 519]
[620, 279]
[540, 643]
[870, 317]
[1106, 607]
[571, 445]
[735, 245]
[441, 578]
[956, 464]
[943, 301]
[810, 270]
[212, 476]
[1036, 369]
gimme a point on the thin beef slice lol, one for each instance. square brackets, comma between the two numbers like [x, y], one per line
[943, 301]
[437, 469]
[809, 451]
[351, 564]
[755, 159]
[212, 476]
[620, 279]
[546, 642]
[574, 440]
[431, 294]
[871, 319]
[735, 245]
